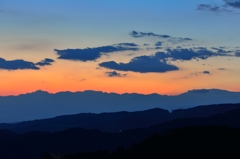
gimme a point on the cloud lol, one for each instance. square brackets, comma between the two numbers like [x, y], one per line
[159, 62]
[233, 3]
[136, 34]
[189, 54]
[221, 50]
[221, 69]
[221, 8]
[115, 74]
[17, 64]
[127, 44]
[237, 54]
[91, 54]
[206, 72]
[176, 40]
[159, 43]
[198, 73]
[44, 62]
[142, 64]
[207, 7]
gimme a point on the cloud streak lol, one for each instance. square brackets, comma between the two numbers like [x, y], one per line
[91, 54]
[44, 62]
[208, 7]
[142, 64]
[20, 64]
[17, 65]
[115, 74]
[189, 54]
[136, 34]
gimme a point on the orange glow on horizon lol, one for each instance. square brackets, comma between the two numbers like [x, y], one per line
[85, 76]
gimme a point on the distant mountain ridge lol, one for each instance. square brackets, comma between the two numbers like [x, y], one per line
[40, 104]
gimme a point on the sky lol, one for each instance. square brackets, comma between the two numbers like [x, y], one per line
[144, 46]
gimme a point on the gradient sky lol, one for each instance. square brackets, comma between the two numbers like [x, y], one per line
[144, 46]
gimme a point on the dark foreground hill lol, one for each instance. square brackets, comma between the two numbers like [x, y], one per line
[189, 142]
[114, 122]
[33, 144]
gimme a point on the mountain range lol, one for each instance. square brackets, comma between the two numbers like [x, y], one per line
[42, 105]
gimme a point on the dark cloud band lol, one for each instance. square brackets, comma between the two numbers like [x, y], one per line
[158, 61]
[91, 54]
[17, 64]
[142, 64]
[136, 34]
[22, 65]
[189, 54]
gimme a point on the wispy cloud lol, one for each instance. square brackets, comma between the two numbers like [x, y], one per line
[115, 74]
[136, 34]
[189, 54]
[197, 73]
[227, 6]
[213, 8]
[44, 62]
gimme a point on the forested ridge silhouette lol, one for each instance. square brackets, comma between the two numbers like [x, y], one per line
[188, 142]
[114, 122]
[93, 142]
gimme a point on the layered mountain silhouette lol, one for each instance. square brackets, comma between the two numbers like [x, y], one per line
[33, 144]
[40, 104]
[118, 121]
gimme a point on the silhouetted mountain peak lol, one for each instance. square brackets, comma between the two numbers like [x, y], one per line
[199, 91]
[41, 92]
[206, 91]
[38, 94]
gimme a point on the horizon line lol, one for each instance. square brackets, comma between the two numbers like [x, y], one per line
[82, 91]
